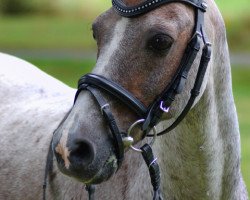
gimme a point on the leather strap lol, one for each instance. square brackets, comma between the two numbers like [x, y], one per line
[114, 89]
[206, 55]
[153, 114]
[154, 170]
[93, 83]
[107, 114]
[91, 191]
[48, 169]
[142, 8]
[177, 84]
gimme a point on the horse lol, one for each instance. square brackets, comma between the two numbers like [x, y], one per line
[198, 159]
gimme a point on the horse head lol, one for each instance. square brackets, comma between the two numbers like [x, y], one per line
[142, 54]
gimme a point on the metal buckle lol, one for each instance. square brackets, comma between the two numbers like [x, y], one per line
[103, 107]
[130, 130]
[163, 108]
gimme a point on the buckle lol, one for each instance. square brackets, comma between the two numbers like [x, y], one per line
[103, 107]
[163, 108]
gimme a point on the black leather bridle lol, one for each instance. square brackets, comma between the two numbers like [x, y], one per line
[151, 115]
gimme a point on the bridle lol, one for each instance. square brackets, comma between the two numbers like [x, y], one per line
[149, 117]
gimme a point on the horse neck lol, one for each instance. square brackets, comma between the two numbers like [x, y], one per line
[204, 150]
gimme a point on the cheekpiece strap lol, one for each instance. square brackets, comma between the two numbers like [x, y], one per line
[154, 170]
[142, 8]
[107, 114]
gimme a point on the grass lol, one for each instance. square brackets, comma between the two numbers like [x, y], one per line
[241, 81]
[233, 9]
[40, 32]
[64, 69]
[74, 32]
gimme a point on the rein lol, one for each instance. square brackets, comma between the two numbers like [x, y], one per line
[148, 117]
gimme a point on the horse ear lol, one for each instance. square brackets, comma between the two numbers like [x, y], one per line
[133, 2]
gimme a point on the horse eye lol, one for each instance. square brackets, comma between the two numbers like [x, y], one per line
[160, 43]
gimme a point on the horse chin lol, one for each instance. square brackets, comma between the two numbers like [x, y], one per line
[105, 173]
[83, 175]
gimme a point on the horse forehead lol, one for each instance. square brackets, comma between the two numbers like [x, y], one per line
[174, 18]
[171, 13]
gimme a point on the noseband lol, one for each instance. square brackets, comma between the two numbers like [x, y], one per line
[150, 116]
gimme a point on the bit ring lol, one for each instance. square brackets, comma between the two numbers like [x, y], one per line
[140, 121]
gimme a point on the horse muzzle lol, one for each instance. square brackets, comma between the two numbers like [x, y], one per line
[84, 158]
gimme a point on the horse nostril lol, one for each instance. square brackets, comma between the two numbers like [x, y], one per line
[82, 154]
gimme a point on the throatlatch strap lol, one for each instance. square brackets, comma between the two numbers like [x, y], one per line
[154, 170]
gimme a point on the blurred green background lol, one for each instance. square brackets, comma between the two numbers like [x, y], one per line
[56, 37]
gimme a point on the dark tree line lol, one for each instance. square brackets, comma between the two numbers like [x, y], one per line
[17, 7]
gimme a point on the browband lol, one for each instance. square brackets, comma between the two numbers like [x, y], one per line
[133, 11]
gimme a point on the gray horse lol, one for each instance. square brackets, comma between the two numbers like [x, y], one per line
[199, 159]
